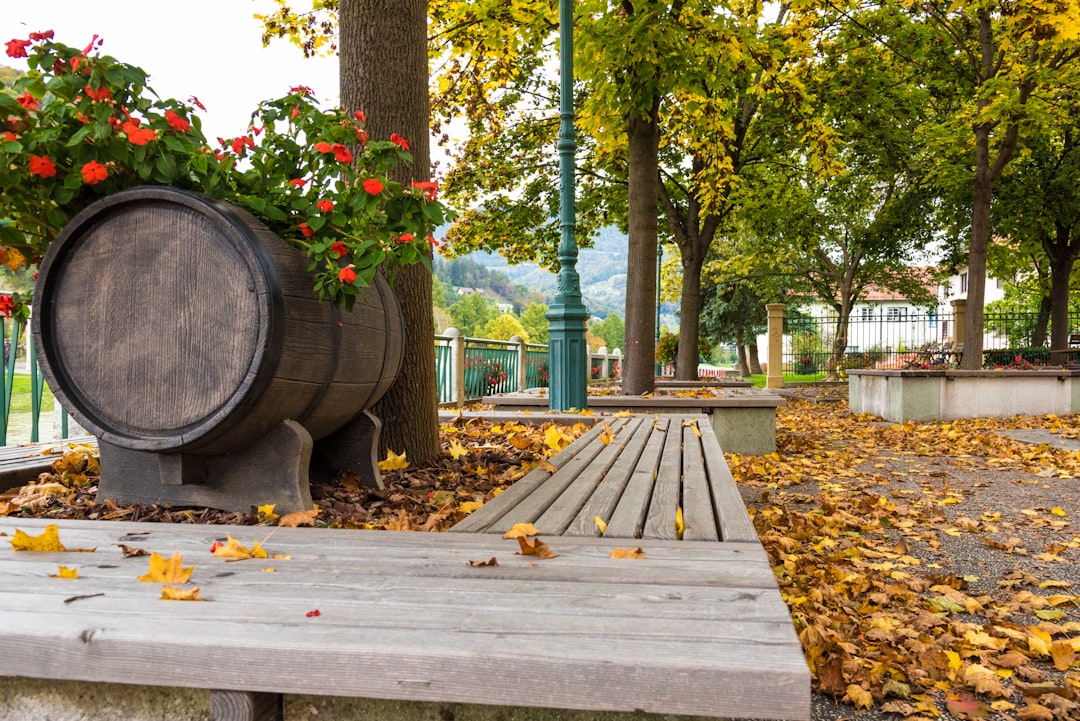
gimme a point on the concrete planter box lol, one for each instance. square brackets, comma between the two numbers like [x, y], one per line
[945, 395]
[743, 418]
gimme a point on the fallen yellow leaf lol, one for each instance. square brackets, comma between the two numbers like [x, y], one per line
[172, 593]
[535, 547]
[521, 530]
[601, 524]
[470, 506]
[167, 571]
[266, 513]
[393, 461]
[679, 525]
[628, 553]
[48, 541]
[235, 550]
[554, 438]
[457, 450]
[66, 572]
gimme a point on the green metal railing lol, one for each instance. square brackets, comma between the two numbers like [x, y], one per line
[444, 368]
[15, 343]
[490, 367]
[537, 373]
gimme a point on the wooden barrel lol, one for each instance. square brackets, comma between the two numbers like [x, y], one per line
[169, 321]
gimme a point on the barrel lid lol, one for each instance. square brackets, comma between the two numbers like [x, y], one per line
[155, 316]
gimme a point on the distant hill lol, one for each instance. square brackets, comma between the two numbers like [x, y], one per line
[603, 276]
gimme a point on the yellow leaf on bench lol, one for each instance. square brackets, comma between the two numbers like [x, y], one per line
[628, 553]
[48, 541]
[535, 547]
[235, 550]
[521, 530]
[167, 571]
[172, 593]
[679, 525]
[66, 572]
[555, 438]
[601, 524]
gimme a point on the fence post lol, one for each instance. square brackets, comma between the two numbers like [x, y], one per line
[959, 309]
[457, 365]
[774, 377]
[523, 359]
[618, 363]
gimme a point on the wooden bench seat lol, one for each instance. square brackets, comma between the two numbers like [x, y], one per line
[633, 473]
[21, 464]
[349, 618]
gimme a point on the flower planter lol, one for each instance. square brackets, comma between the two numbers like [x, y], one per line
[945, 395]
[186, 336]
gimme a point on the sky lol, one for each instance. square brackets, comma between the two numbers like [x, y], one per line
[207, 48]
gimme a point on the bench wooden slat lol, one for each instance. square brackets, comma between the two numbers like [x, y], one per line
[480, 521]
[666, 496]
[730, 510]
[403, 616]
[613, 487]
[628, 519]
[545, 494]
[698, 518]
[565, 508]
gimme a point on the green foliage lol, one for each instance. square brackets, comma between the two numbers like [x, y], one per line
[472, 313]
[83, 125]
[611, 330]
[534, 321]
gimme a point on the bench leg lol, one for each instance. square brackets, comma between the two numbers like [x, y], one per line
[245, 706]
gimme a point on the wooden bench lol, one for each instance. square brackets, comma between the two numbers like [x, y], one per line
[23, 463]
[696, 627]
[632, 473]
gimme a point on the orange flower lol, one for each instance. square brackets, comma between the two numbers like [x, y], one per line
[239, 143]
[373, 186]
[7, 304]
[176, 122]
[430, 189]
[137, 135]
[323, 147]
[41, 166]
[306, 230]
[342, 153]
[325, 205]
[399, 141]
[99, 95]
[405, 238]
[347, 274]
[17, 48]
[297, 182]
[28, 101]
[339, 247]
[94, 172]
[359, 115]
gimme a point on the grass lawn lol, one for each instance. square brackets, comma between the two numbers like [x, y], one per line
[20, 396]
[758, 379]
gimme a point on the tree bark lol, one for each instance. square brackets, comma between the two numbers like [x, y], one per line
[1062, 251]
[643, 134]
[384, 73]
[686, 368]
[981, 196]
[754, 357]
[742, 367]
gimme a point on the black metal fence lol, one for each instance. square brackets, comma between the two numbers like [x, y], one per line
[900, 337]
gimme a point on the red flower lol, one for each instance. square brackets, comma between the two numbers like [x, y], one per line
[17, 48]
[102, 93]
[197, 104]
[323, 147]
[431, 239]
[10, 136]
[405, 238]
[399, 141]
[430, 188]
[41, 166]
[325, 205]
[339, 247]
[44, 35]
[373, 186]
[359, 115]
[137, 135]
[7, 304]
[239, 143]
[90, 46]
[94, 172]
[297, 182]
[176, 122]
[361, 137]
[347, 274]
[342, 153]
[28, 101]
[301, 90]
[306, 230]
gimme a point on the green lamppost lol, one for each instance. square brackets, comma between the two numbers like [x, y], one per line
[567, 352]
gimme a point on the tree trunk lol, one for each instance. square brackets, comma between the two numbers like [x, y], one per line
[384, 73]
[1042, 319]
[1062, 254]
[754, 357]
[839, 345]
[981, 196]
[643, 135]
[742, 366]
[689, 319]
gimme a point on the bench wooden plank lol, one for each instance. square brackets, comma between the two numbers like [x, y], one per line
[666, 496]
[728, 504]
[23, 463]
[698, 519]
[612, 487]
[694, 628]
[566, 506]
[480, 521]
[628, 519]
